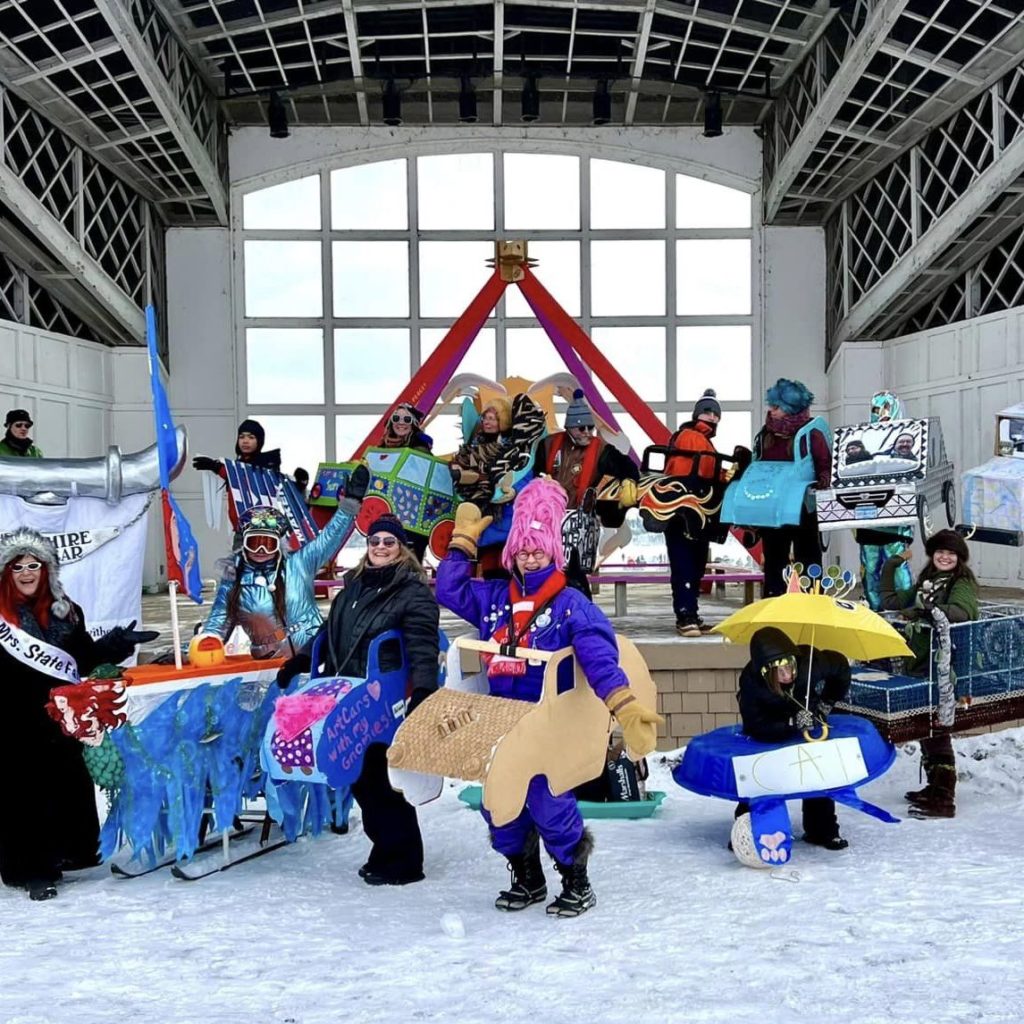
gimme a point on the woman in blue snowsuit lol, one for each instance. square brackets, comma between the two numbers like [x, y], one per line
[536, 609]
[269, 592]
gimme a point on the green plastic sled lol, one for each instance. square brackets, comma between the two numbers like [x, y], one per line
[470, 796]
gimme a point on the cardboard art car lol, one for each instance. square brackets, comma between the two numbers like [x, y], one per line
[994, 492]
[894, 473]
[412, 485]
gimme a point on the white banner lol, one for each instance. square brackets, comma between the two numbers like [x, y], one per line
[101, 549]
[800, 768]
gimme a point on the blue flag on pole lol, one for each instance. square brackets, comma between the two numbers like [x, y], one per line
[181, 547]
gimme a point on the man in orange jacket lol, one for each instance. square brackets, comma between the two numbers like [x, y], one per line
[688, 556]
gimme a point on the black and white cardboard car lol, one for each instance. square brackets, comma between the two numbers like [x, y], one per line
[894, 473]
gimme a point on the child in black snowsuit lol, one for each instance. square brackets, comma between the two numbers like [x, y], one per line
[774, 708]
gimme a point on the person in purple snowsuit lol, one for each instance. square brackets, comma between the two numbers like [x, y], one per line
[536, 609]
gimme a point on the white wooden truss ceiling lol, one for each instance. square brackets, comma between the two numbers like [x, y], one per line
[877, 115]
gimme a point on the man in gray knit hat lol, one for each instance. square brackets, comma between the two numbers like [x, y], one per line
[579, 459]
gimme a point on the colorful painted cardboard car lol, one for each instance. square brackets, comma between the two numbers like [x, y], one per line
[993, 492]
[320, 733]
[894, 473]
[414, 486]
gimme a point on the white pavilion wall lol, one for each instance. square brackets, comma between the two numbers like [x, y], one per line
[83, 397]
[964, 374]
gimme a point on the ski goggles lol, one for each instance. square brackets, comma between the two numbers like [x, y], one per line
[779, 663]
[26, 566]
[261, 544]
[400, 417]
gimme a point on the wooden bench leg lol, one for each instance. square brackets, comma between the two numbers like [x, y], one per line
[748, 592]
[620, 599]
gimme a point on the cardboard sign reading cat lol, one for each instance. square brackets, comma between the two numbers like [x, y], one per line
[504, 743]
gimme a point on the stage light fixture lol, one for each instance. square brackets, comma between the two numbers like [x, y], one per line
[391, 101]
[277, 117]
[467, 101]
[712, 114]
[602, 103]
[530, 103]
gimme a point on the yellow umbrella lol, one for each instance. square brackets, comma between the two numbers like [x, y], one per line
[823, 622]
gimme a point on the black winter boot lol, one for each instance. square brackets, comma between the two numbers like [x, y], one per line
[576, 897]
[528, 883]
[39, 891]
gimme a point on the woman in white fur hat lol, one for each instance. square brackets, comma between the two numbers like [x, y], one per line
[49, 820]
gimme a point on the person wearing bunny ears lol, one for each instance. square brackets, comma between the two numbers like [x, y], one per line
[688, 556]
[535, 608]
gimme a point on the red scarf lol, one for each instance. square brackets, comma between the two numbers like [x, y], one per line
[524, 608]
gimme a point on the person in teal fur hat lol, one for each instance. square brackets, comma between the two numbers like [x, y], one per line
[878, 546]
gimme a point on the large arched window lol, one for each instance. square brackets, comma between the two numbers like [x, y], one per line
[350, 277]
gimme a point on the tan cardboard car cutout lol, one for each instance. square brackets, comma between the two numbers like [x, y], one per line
[504, 743]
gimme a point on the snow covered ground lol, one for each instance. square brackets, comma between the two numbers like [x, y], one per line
[916, 922]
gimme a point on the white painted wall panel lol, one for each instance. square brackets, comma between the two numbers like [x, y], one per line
[964, 374]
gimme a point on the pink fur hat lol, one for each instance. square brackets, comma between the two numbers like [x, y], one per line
[537, 522]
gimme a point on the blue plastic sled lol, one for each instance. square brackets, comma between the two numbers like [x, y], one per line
[730, 765]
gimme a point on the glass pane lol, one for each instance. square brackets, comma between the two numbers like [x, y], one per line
[300, 438]
[626, 196]
[627, 278]
[370, 196]
[451, 274]
[283, 279]
[558, 269]
[480, 358]
[294, 205]
[638, 438]
[350, 430]
[734, 429]
[713, 277]
[456, 191]
[530, 354]
[713, 357]
[541, 191]
[446, 432]
[638, 353]
[371, 278]
[284, 366]
[705, 204]
[370, 365]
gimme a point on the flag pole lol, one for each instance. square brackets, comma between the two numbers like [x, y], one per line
[172, 591]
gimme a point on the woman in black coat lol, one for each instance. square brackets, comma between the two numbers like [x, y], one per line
[774, 708]
[386, 591]
[49, 819]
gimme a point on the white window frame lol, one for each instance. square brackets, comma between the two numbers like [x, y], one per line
[671, 410]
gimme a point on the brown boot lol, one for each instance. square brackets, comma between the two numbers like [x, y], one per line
[920, 796]
[937, 799]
